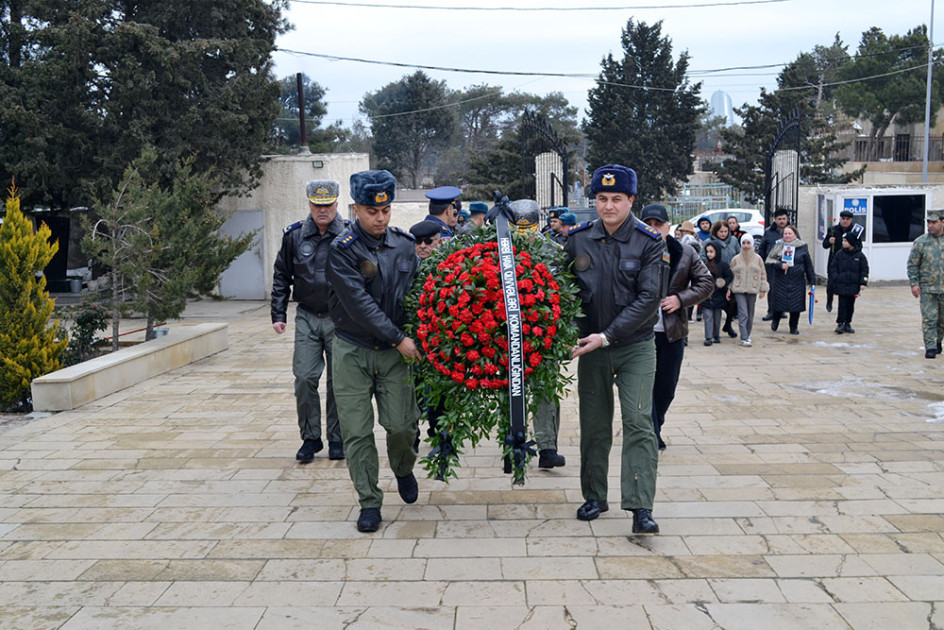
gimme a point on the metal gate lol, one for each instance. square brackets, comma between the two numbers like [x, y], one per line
[782, 171]
[554, 183]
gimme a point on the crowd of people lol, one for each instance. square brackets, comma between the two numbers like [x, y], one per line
[639, 287]
[780, 267]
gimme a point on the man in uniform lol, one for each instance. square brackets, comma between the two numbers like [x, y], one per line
[370, 268]
[833, 242]
[300, 271]
[444, 206]
[926, 277]
[773, 234]
[477, 212]
[622, 268]
[427, 238]
[568, 220]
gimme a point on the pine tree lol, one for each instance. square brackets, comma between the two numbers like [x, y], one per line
[28, 345]
[644, 113]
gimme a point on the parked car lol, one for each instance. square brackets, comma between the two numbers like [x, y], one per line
[751, 221]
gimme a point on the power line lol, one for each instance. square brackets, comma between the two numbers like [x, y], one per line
[694, 5]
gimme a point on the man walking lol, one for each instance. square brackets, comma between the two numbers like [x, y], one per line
[833, 242]
[300, 273]
[370, 268]
[621, 265]
[773, 234]
[926, 277]
[690, 283]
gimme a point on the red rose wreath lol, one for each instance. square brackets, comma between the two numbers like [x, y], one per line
[460, 328]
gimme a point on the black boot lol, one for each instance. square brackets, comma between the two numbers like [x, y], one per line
[335, 450]
[774, 323]
[550, 459]
[307, 452]
[847, 328]
[369, 520]
[643, 523]
[841, 328]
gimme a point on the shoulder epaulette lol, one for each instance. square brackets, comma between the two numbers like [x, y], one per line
[403, 232]
[579, 227]
[346, 240]
[649, 231]
[291, 227]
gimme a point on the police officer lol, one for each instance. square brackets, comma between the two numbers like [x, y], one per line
[370, 268]
[300, 271]
[444, 206]
[926, 277]
[833, 242]
[621, 265]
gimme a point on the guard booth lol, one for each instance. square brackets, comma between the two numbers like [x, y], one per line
[892, 217]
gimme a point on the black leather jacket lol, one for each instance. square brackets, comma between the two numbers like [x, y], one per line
[369, 279]
[300, 268]
[622, 278]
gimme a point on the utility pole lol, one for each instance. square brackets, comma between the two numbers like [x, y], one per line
[927, 99]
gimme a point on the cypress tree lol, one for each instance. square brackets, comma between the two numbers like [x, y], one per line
[28, 344]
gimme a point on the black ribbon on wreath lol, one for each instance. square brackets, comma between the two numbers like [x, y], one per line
[442, 454]
[517, 439]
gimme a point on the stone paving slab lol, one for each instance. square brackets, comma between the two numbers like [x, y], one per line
[803, 487]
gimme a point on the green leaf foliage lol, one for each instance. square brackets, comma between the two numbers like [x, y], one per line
[475, 413]
[411, 123]
[88, 83]
[802, 89]
[29, 346]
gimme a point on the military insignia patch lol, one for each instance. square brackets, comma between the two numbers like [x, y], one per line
[381, 197]
[666, 258]
[322, 191]
[608, 180]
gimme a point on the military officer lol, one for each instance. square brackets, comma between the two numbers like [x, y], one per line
[926, 277]
[444, 206]
[621, 265]
[477, 212]
[300, 271]
[568, 220]
[370, 268]
[427, 238]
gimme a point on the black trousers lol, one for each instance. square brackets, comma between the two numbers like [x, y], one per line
[846, 309]
[668, 365]
[794, 318]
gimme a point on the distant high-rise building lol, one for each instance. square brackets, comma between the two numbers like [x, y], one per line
[721, 106]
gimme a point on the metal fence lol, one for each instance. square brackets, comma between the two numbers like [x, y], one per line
[902, 147]
[694, 199]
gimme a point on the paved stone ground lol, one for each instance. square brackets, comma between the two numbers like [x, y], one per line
[803, 487]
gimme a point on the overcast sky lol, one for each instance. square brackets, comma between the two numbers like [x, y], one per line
[569, 42]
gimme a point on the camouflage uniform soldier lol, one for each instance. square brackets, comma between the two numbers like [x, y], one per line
[926, 276]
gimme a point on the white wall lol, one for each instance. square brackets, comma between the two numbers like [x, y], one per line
[280, 197]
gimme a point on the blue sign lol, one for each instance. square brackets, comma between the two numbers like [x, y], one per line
[857, 207]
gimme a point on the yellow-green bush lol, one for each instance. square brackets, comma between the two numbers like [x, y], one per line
[28, 345]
